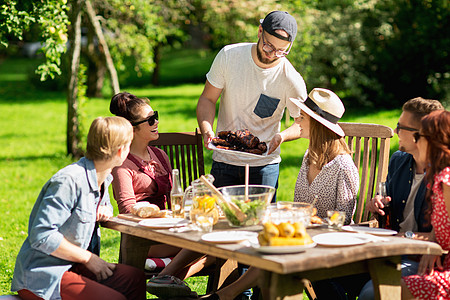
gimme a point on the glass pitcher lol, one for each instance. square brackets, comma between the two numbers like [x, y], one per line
[203, 210]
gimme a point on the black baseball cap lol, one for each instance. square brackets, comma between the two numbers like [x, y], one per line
[280, 20]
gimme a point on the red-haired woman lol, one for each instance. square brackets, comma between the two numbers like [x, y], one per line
[433, 141]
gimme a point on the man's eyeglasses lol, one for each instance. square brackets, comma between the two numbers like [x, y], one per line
[151, 120]
[269, 48]
[405, 128]
[417, 136]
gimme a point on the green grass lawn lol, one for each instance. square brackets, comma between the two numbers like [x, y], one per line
[33, 137]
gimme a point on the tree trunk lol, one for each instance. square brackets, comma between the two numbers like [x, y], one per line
[104, 46]
[73, 135]
[157, 60]
[96, 69]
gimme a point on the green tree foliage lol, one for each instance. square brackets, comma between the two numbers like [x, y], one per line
[51, 17]
[410, 49]
[231, 21]
[134, 29]
[379, 52]
[371, 52]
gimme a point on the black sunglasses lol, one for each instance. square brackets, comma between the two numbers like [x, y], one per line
[404, 128]
[151, 120]
[416, 136]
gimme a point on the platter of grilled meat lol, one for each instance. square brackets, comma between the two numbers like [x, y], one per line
[240, 141]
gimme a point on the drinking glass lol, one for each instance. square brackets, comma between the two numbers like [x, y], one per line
[335, 219]
[203, 220]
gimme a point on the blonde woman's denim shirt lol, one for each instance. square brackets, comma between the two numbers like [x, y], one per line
[66, 207]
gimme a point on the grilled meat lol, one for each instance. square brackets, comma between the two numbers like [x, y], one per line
[253, 151]
[224, 134]
[246, 139]
[226, 147]
[220, 141]
[262, 146]
[241, 140]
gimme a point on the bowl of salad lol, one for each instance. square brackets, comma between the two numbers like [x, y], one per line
[252, 207]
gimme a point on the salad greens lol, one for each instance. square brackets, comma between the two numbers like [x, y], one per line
[252, 210]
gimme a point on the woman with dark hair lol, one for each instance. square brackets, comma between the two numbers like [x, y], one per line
[146, 173]
[54, 261]
[146, 176]
[433, 141]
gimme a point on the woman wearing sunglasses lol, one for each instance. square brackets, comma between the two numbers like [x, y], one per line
[433, 141]
[146, 174]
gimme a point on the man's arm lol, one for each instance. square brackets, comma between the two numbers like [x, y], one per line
[289, 134]
[206, 111]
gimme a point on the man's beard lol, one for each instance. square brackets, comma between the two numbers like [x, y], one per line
[259, 54]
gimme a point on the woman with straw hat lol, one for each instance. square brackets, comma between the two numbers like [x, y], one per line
[327, 170]
[329, 173]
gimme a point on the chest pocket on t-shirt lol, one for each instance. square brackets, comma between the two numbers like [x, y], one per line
[266, 106]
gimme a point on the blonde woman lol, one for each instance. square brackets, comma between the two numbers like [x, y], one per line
[54, 262]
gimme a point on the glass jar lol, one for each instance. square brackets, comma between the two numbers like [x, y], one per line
[203, 207]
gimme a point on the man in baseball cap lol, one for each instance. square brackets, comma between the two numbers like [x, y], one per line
[254, 82]
[280, 20]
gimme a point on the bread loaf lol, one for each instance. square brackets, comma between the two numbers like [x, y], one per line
[161, 214]
[144, 209]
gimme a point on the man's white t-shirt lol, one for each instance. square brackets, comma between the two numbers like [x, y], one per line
[253, 98]
[409, 221]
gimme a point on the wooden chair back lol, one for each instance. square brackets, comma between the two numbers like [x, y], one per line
[185, 151]
[370, 145]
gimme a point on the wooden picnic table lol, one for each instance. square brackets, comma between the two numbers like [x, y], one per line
[283, 273]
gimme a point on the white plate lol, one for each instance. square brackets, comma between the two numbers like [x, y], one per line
[164, 222]
[238, 153]
[283, 249]
[371, 230]
[341, 239]
[228, 237]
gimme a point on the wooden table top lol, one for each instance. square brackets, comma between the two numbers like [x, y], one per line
[318, 257]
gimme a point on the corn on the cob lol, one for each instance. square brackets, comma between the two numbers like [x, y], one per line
[286, 229]
[289, 241]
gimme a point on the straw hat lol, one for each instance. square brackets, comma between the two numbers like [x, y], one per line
[324, 106]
